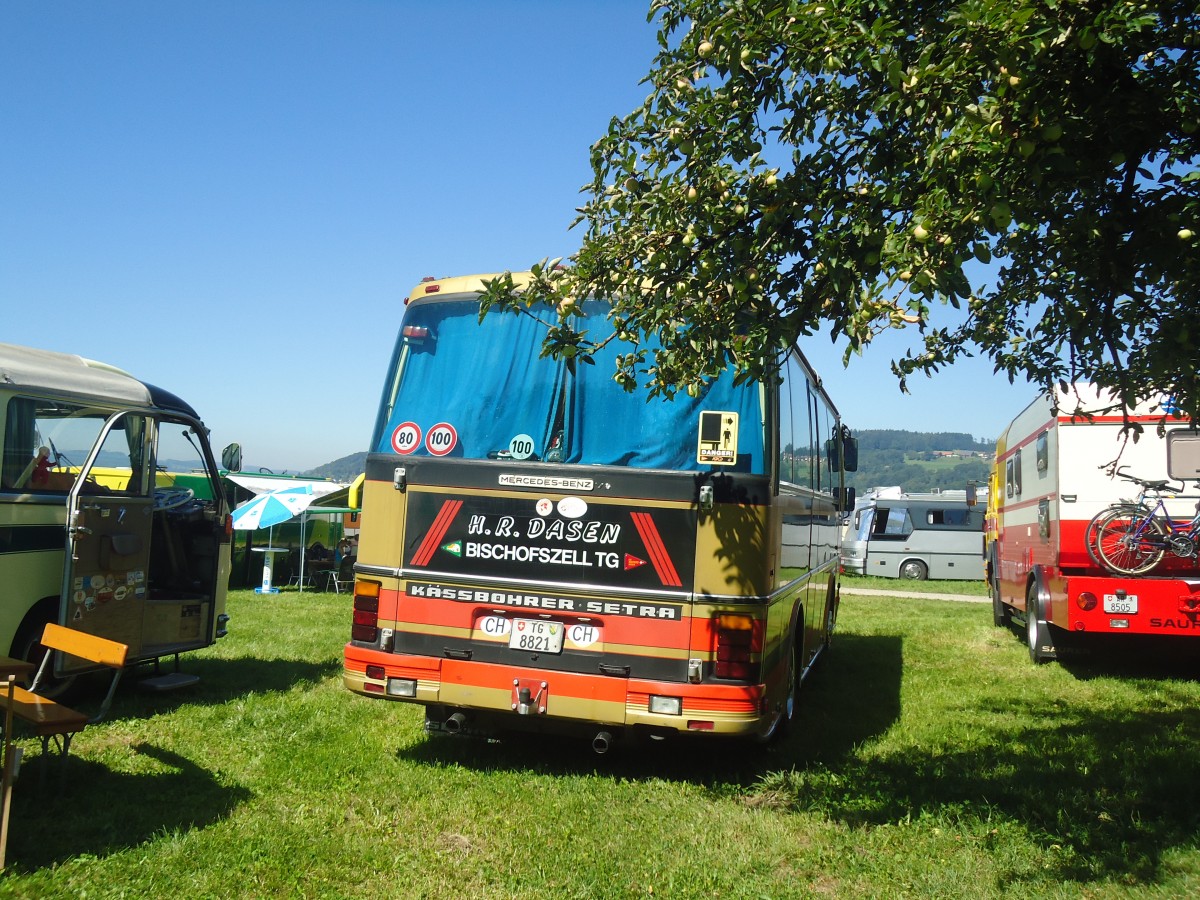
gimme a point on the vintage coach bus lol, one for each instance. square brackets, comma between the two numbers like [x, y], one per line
[94, 533]
[542, 550]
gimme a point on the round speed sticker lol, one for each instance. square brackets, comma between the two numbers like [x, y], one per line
[521, 447]
[406, 438]
[441, 439]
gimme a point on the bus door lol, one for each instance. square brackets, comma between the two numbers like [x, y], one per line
[110, 512]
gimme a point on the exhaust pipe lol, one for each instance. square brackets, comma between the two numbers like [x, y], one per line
[455, 723]
[601, 742]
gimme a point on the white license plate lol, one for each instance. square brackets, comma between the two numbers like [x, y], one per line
[536, 635]
[1126, 605]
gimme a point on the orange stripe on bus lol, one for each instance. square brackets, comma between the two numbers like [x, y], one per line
[658, 553]
[438, 531]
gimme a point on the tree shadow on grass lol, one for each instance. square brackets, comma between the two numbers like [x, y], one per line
[94, 811]
[1115, 790]
[852, 695]
[1105, 793]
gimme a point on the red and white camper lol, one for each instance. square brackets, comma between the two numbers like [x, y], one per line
[1055, 470]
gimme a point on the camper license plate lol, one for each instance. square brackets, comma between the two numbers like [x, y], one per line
[1126, 605]
[537, 635]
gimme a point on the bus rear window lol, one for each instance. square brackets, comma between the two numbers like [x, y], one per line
[462, 388]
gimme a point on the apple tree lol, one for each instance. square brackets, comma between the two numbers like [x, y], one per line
[864, 165]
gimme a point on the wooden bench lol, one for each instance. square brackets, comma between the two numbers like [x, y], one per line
[52, 720]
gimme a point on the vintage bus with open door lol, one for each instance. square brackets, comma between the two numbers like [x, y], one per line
[95, 532]
[543, 551]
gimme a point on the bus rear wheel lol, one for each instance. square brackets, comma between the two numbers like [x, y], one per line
[791, 701]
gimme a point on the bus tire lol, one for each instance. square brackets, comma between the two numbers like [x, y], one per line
[1001, 614]
[914, 570]
[831, 614]
[791, 700]
[1037, 629]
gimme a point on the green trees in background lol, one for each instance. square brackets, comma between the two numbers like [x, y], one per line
[1031, 163]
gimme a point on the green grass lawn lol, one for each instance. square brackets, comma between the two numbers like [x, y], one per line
[932, 760]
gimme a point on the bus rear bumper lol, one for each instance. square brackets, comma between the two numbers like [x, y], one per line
[485, 699]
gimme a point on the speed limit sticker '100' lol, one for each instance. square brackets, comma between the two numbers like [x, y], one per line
[442, 438]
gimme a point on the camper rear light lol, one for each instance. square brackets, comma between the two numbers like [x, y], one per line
[1086, 601]
[666, 706]
[739, 638]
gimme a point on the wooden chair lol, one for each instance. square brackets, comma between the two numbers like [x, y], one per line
[52, 721]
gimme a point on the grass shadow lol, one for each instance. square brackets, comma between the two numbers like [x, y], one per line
[1104, 791]
[221, 680]
[95, 811]
[836, 716]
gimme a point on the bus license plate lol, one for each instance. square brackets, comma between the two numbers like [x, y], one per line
[1126, 605]
[537, 635]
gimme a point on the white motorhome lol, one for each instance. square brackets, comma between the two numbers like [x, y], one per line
[914, 536]
[1054, 471]
[96, 533]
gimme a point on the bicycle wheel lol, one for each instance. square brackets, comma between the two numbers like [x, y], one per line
[1090, 533]
[1130, 543]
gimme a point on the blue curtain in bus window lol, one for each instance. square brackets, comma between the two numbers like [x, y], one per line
[486, 381]
[608, 426]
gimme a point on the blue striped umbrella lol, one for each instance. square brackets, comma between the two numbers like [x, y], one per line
[274, 507]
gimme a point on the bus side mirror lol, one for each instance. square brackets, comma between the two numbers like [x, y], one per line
[972, 495]
[231, 458]
[843, 498]
[850, 454]
[843, 446]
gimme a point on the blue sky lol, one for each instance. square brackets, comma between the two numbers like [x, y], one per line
[231, 199]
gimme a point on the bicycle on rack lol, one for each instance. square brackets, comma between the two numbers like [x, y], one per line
[1132, 537]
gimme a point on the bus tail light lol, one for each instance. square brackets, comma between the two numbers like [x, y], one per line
[1086, 601]
[366, 612]
[739, 638]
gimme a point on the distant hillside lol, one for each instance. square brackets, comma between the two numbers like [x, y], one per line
[345, 469]
[915, 460]
[921, 441]
[920, 461]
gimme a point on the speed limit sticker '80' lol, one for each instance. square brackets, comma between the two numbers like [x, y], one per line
[406, 438]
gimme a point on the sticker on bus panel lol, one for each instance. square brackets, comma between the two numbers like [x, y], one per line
[442, 438]
[718, 438]
[406, 438]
